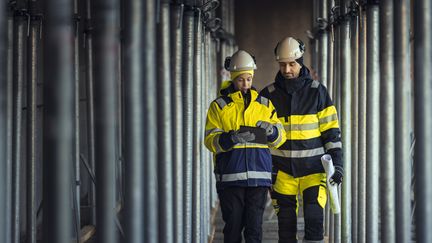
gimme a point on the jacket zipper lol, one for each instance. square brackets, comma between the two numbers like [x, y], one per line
[244, 123]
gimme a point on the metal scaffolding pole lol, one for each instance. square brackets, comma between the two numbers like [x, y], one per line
[58, 121]
[134, 120]
[314, 42]
[151, 136]
[76, 180]
[354, 126]
[90, 105]
[372, 123]
[212, 95]
[176, 119]
[3, 121]
[150, 146]
[197, 131]
[330, 50]
[164, 125]
[328, 82]
[361, 211]
[387, 131]
[403, 92]
[423, 119]
[106, 102]
[33, 74]
[207, 79]
[188, 57]
[9, 125]
[345, 98]
[336, 218]
[323, 44]
[19, 73]
[203, 167]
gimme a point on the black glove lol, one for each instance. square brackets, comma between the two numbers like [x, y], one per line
[337, 176]
[242, 137]
[267, 126]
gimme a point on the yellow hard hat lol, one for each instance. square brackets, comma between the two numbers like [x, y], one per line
[240, 61]
[289, 49]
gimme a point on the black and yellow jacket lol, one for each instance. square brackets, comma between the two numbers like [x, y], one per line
[243, 164]
[311, 123]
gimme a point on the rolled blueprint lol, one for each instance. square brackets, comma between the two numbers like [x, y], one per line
[327, 163]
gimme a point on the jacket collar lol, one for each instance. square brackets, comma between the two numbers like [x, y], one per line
[294, 84]
[237, 96]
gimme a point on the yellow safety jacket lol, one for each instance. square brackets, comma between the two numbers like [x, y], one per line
[310, 121]
[244, 164]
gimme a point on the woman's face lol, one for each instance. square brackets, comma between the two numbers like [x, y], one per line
[243, 82]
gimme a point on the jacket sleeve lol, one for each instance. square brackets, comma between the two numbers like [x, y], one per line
[280, 137]
[213, 129]
[329, 127]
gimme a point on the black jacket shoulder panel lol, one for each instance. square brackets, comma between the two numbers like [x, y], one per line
[222, 101]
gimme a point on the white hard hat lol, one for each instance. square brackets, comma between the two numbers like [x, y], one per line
[289, 49]
[240, 61]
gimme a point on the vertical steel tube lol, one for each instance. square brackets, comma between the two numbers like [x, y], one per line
[337, 66]
[177, 118]
[188, 57]
[330, 50]
[150, 145]
[90, 104]
[328, 83]
[33, 78]
[9, 125]
[20, 71]
[337, 100]
[331, 229]
[197, 142]
[202, 167]
[387, 131]
[58, 121]
[77, 188]
[164, 125]
[423, 119]
[361, 231]
[134, 120]
[403, 92]
[206, 154]
[372, 123]
[3, 121]
[214, 85]
[354, 127]
[106, 101]
[346, 128]
[323, 46]
[314, 42]
[119, 168]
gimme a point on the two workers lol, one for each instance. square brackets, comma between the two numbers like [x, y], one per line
[273, 140]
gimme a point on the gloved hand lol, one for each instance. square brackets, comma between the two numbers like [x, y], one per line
[242, 137]
[267, 126]
[337, 176]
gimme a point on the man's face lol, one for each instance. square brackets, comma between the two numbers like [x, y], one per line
[243, 82]
[290, 69]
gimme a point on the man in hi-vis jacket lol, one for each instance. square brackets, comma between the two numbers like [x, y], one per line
[312, 129]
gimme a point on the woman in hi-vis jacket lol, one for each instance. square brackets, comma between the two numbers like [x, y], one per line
[241, 126]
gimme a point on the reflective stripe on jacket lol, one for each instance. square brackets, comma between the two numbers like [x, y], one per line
[245, 164]
[311, 124]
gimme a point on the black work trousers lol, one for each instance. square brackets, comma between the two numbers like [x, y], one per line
[243, 208]
[286, 207]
